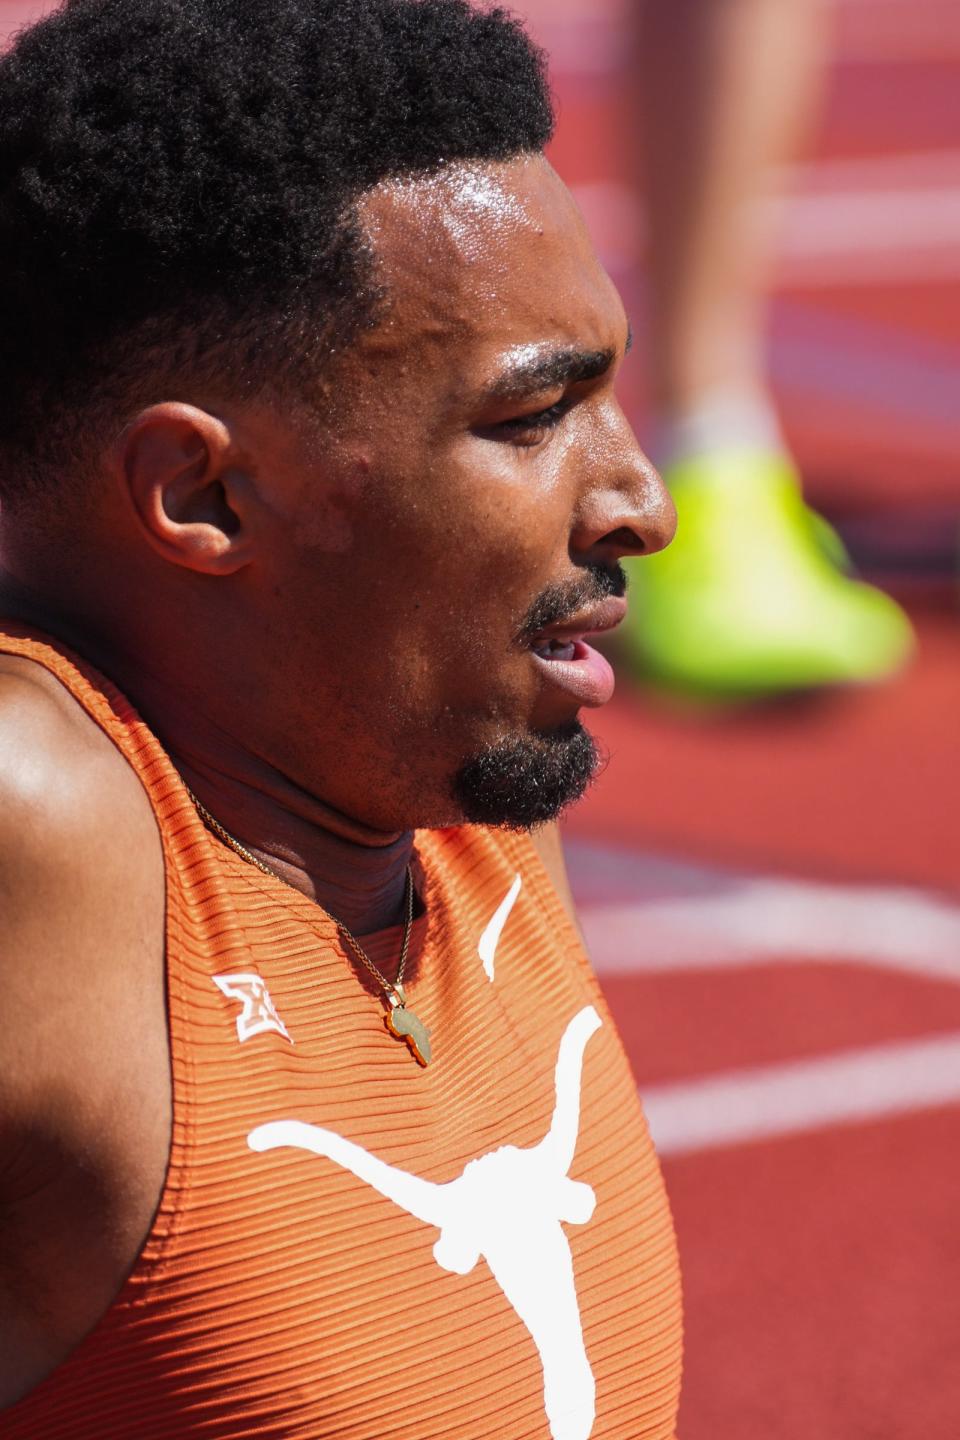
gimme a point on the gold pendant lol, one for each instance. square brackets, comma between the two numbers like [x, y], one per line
[406, 1026]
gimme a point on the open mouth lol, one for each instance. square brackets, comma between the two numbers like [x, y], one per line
[554, 649]
[561, 640]
[573, 665]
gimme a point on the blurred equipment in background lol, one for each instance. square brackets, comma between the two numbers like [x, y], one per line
[755, 594]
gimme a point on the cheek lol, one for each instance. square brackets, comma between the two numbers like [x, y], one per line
[468, 606]
[508, 507]
[327, 523]
[478, 576]
[441, 569]
[328, 532]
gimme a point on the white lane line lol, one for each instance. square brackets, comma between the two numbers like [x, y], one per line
[756, 921]
[762, 1104]
[901, 170]
[856, 224]
[490, 939]
[682, 916]
[900, 233]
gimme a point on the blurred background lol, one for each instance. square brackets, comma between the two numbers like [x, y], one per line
[771, 887]
[769, 870]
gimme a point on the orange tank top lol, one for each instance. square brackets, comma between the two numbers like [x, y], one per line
[349, 1245]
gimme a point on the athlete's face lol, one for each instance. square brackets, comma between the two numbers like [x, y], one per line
[464, 516]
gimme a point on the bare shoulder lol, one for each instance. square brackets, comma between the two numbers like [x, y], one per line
[73, 816]
[76, 830]
[81, 974]
[46, 736]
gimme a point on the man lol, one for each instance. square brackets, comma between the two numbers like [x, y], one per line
[314, 482]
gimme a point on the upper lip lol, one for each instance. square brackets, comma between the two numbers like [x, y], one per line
[592, 620]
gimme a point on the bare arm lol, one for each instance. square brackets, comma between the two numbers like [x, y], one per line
[77, 1187]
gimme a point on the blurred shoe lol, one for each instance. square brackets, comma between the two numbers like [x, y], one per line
[751, 598]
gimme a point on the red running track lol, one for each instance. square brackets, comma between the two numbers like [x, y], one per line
[865, 324]
[771, 896]
[820, 1253]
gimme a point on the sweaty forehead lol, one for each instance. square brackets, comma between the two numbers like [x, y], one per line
[490, 254]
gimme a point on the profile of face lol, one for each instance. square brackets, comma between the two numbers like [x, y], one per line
[430, 555]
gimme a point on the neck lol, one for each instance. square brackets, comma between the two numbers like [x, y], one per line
[354, 873]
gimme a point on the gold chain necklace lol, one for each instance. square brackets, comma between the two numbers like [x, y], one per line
[399, 1019]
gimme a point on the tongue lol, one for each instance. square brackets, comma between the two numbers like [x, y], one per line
[585, 673]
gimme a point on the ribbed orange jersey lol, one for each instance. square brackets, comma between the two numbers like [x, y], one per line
[351, 1246]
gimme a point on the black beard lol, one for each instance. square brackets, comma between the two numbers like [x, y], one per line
[519, 784]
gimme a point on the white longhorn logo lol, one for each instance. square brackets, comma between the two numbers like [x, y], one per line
[506, 1206]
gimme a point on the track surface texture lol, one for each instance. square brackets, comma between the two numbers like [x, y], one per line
[772, 896]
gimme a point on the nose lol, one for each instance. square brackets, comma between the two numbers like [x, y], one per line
[623, 508]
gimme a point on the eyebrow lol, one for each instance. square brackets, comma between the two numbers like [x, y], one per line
[550, 370]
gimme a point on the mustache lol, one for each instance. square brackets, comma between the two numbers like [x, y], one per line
[562, 601]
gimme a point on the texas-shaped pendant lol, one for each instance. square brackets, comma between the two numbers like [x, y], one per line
[402, 1022]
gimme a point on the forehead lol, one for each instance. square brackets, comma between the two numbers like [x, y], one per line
[487, 258]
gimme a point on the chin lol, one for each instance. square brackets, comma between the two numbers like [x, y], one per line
[520, 782]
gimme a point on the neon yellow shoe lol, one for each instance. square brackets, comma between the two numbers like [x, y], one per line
[751, 597]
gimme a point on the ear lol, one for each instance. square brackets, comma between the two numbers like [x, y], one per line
[191, 494]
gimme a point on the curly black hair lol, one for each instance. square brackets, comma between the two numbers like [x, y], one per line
[178, 181]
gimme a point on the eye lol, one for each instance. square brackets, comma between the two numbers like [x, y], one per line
[529, 429]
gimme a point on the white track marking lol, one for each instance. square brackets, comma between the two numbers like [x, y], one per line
[862, 174]
[862, 237]
[762, 1104]
[757, 921]
[851, 222]
[490, 939]
[690, 917]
